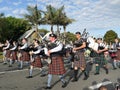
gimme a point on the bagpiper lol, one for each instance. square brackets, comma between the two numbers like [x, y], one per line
[35, 59]
[56, 67]
[100, 60]
[7, 51]
[13, 55]
[116, 59]
[79, 57]
[24, 54]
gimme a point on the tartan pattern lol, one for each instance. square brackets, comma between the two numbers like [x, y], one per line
[37, 62]
[25, 56]
[101, 60]
[8, 52]
[13, 55]
[118, 55]
[93, 54]
[57, 66]
[81, 62]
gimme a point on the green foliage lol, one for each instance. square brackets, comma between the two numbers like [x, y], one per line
[43, 31]
[12, 28]
[110, 36]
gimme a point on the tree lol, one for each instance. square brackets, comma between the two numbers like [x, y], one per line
[1, 15]
[34, 17]
[50, 16]
[65, 21]
[110, 36]
[12, 28]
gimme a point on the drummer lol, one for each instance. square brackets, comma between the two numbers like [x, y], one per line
[116, 60]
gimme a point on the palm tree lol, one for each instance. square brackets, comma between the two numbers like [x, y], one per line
[64, 22]
[34, 17]
[50, 16]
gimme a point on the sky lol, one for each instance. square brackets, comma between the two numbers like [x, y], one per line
[97, 16]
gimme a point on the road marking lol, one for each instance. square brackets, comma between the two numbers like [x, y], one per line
[12, 71]
[99, 84]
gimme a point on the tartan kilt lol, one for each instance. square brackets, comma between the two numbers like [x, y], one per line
[81, 62]
[37, 62]
[8, 52]
[25, 56]
[93, 54]
[101, 60]
[117, 55]
[13, 55]
[56, 66]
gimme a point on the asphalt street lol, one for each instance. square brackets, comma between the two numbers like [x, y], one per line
[13, 79]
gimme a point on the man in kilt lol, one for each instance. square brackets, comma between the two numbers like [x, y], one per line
[13, 55]
[100, 59]
[56, 67]
[8, 52]
[35, 60]
[79, 58]
[24, 54]
[116, 59]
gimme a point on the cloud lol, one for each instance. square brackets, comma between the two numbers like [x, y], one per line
[19, 12]
[3, 9]
[90, 14]
[17, 3]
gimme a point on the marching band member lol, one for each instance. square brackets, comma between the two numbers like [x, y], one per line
[24, 53]
[56, 67]
[79, 58]
[35, 57]
[116, 59]
[100, 60]
[13, 56]
[7, 51]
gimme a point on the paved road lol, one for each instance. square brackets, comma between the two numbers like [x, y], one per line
[13, 79]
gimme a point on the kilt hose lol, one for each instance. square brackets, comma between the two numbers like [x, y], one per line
[13, 55]
[37, 62]
[8, 52]
[56, 67]
[25, 56]
[81, 62]
[117, 55]
[101, 59]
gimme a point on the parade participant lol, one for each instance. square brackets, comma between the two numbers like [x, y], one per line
[24, 53]
[116, 59]
[56, 67]
[6, 51]
[35, 58]
[13, 55]
[79, 58]
[100, 60]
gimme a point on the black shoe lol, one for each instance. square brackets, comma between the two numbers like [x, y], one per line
[91, 63]
[29, 77]
[42, 75]
[48, 87]
[10, 66]
[74, 80]
[96, 74]
[64, 85]
[86, 77]
[107, 72]
[114, 68]
[71, 68]
[4, 63]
